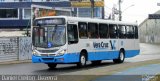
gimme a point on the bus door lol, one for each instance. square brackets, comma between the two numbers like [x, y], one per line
[72, 37]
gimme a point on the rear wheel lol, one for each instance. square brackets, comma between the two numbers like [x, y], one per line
[82, 62]
[120, 58]
[96, 62]
[52, 65]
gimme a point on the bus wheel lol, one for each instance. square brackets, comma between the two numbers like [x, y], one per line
[52, 65]
[96, 62]
[82, 61]
[120, 58]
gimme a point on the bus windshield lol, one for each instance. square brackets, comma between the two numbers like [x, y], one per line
[49, 36]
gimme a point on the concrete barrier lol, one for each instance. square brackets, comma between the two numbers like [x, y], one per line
[15, 48]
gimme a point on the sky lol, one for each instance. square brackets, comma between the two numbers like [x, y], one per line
[139, 12]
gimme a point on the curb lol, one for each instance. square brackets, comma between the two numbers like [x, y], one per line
[15, 62]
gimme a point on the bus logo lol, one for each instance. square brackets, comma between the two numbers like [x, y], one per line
[113, 47]
[100, 45]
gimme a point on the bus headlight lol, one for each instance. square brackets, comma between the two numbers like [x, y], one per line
[62, 52]
[35, 53]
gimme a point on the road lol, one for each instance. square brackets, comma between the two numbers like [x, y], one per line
[148, 52]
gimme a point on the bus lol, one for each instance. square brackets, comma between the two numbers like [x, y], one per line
[74, 40]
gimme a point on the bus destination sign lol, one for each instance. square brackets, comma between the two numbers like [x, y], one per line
[50, 21]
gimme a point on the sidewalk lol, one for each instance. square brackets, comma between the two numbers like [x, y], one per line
[143, 73]
[146, 48]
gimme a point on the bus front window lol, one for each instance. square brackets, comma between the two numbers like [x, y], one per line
[49, 36]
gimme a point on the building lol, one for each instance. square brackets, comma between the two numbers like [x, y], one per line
[149, 30]
[17, 13]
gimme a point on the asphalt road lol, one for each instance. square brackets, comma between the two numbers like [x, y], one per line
[148, 52]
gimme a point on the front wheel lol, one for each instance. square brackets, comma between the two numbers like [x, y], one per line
[120, 58]
[82, 62]
[52, 65]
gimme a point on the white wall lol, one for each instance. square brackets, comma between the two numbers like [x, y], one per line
[150, 31]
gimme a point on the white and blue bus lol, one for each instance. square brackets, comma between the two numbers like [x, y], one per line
[64, 40]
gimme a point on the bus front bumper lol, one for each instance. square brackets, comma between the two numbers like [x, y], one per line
[66, 58]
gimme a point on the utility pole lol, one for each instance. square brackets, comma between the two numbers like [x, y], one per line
[120, 12]
[92, 8]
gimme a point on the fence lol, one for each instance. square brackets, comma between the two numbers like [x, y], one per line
[15, 48]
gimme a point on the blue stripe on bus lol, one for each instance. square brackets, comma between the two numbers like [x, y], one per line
[74, 57]
[131, 53]
[103, 55]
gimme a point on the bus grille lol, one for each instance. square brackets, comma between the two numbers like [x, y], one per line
[48, 51]
[46, 55]
[47, 59]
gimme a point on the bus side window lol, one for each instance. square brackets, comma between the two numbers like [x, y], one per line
[103, 30]
[93, 30]
[130, 32]
[82, 30]
[72, 34]
[113, 32]
[122, 31]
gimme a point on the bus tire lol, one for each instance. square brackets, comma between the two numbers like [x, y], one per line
[96, 62]
[82, 60]
[52, 65]
[120, 58]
